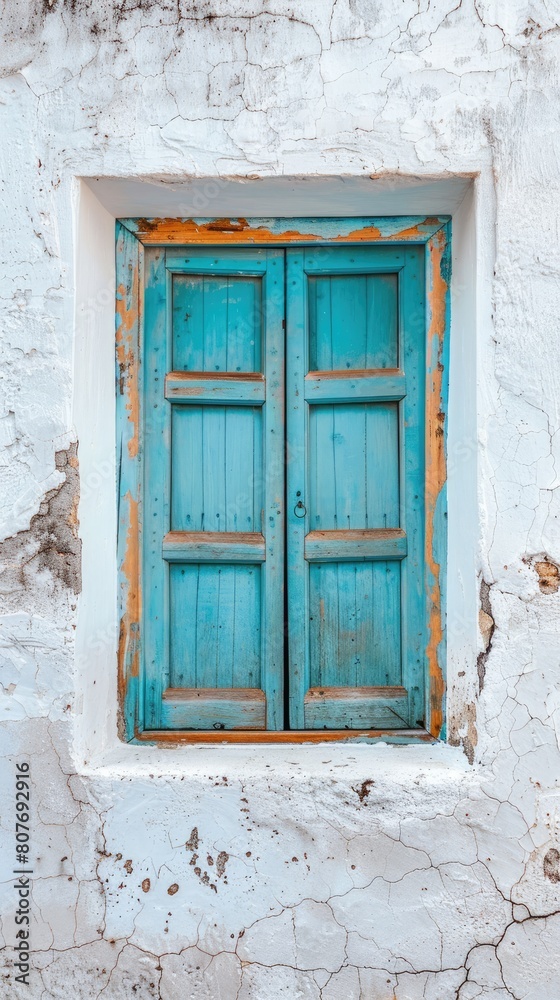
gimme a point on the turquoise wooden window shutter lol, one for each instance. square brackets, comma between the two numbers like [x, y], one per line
[356, 331]
[214, 489]
[283, 482]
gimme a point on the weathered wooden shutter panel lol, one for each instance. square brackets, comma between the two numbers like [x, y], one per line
[213, 536]
[355, 394]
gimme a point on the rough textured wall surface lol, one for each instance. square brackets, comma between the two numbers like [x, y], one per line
[403, 873]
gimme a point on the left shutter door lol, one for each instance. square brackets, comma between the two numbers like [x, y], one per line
[213, 489]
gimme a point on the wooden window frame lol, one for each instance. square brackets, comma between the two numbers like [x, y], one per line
[434, 233]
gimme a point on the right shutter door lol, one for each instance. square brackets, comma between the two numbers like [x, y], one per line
[355, 426]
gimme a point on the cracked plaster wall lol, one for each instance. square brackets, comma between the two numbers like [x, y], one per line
[268, 874]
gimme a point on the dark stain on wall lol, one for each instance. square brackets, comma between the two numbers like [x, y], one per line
[551, 865]
[363, 791]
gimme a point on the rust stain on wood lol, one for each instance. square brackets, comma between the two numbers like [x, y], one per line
[128, 649]
[126, 357]
[435, 470]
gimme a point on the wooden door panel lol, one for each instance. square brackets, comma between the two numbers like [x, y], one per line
[215, 625]
[355, 397]
[353, 466]
[217, 323]
[345, 331]
[217, 457]
[354, 632]
[214, 488]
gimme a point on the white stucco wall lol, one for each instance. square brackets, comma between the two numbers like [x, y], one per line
[337, 871]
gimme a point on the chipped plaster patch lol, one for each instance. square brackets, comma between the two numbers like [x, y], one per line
[549, 577]
[51, 543]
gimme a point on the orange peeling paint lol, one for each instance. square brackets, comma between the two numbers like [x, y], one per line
[126, 358]
[128, 652]
[224, 231]
[435, 471]
[240, 231]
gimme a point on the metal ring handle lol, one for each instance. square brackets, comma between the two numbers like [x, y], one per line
[300, 506]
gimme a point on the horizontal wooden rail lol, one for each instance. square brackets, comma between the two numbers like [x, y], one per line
[214, 546]
[243, 388]
[355, 546]
[296, 737]
[382, 385]
[349, 708]
[213, 708]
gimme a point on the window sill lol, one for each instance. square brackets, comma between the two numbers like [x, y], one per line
[389, 765]
[286, 737]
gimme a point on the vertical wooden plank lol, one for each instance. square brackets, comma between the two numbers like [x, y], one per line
[413, 472]
[254, 516]
[214, 467]
[248, 670]
[348, 304]
[236, 485]
[297, 484]
[227, 626]
[188, 322]
[215, 322]
[183, 615]
[312, 296]
[187, 503]
[382, 321]
[157, 359]
[271, 473]
[324, 625]
[206, 625]
[244, 325]
[386, 648]
[350, 465]
[366, 626]
[243, 451]
[322, 499]
[348, 638]
[381, 476]
[320, 323]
